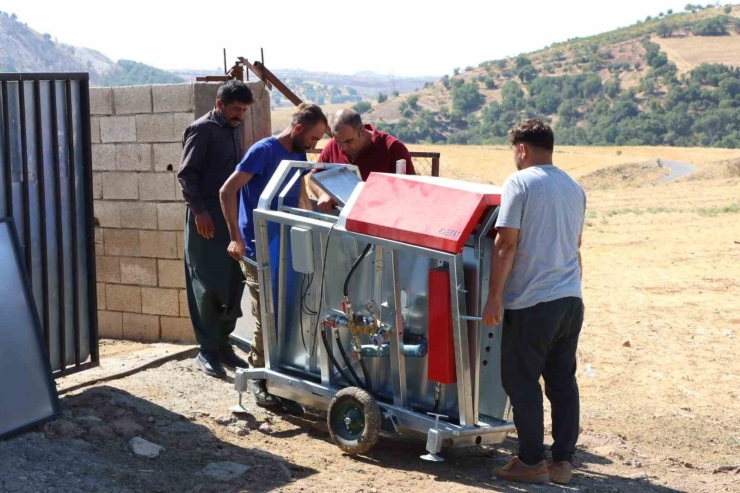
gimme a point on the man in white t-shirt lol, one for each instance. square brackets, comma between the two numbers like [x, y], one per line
[536, 289]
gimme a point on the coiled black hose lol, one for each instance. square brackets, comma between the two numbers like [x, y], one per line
[347, 362]
[333, 360]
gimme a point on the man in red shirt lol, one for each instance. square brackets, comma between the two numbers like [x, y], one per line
[362, 145]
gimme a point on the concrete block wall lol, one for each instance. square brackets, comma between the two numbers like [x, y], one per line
[137, 148]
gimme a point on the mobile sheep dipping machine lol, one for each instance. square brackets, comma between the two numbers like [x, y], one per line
[374, 315]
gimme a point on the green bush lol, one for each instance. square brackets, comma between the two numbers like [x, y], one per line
[716, 26]
[362, 107]
[382, 98]
[466, 98]
[413, 102]
[522, 61]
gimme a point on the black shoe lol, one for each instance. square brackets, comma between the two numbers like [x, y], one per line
[210, 364]
[230, 359]
[258, 389]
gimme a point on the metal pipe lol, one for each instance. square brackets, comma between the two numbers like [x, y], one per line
[409, 350]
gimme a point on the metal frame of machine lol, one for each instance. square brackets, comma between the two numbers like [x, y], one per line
[472, 427]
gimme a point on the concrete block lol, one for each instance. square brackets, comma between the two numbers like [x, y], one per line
[117, 129]
[156, 301]
[107, 213]
[95, 129]
[171, 216]
[172, 98]
[110, 325]
[108, 269]
[104, 157]
[180, 244]
[97, 185]
[141, 271]
[204, 97]
[101, 296]
[122, 298]
[157, 186]
[171, 273]
[181, 122]
[144, 328]
[138, 215]
[133, 157]
[158, 244]
[99, 245]
[101, 101]
[167, 157]
[155, 128]
[184, 309]
[121, 186]
[177, 330]
[132, 100]
[123, 242]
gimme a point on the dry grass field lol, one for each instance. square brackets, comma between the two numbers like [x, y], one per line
[689, 52]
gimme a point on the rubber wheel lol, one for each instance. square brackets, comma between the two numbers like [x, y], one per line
[354, 420]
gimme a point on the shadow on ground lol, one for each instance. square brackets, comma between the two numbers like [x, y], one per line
[88, 449]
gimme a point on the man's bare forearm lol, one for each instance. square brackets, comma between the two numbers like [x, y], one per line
[503, 261]
[231, 213]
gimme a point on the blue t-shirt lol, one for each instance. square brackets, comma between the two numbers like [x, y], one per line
[263, 159]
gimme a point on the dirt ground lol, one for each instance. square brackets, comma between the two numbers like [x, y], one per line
[658, 372]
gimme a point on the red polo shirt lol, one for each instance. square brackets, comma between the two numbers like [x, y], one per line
[379, 157]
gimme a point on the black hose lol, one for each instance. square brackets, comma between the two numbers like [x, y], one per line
[333, 360]
[349, 366]
[354, 267]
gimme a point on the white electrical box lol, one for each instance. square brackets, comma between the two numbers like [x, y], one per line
[301, 246]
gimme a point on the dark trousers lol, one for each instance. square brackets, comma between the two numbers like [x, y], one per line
[214, 281]
[541, 341]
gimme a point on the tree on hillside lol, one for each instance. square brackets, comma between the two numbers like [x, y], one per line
[382, 98]
[665, 30]
[501, 64]
[527, 74]
[413, 102]
[669, 12]
[728, 9]
[690, 8]
[395, 94]
[362, 107]
[490, 83]
[522, 61]
[456, 71]
[716, 26]
[466, 98]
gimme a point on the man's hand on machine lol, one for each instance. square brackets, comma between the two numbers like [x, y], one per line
[494, 311]
[325, 203]
[205, 226]
[236, 249]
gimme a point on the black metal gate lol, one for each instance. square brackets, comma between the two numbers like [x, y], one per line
[46, 186]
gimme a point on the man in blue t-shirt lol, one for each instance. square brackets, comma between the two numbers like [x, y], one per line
[252, 175]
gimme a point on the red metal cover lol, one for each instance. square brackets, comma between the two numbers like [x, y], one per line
[436, 213]
[441, 355]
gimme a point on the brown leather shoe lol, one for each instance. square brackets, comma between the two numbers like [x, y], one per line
[516, 470]
[560, 472]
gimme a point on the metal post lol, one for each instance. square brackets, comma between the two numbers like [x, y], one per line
[6, 151]
[435, 166]
[61, 292]
[462, 349]
[41, 172]
[25, 186]
[398, 360]
[92, 293]
[72, 182]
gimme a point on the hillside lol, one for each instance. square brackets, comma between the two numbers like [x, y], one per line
[24, 50]
[668, 80]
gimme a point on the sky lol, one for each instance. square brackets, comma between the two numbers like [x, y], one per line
[398, 37]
